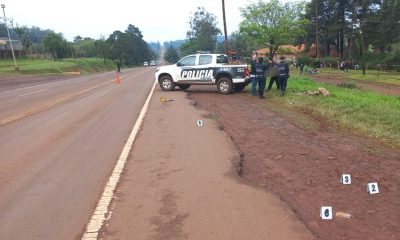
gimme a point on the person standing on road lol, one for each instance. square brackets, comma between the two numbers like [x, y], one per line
[118, 67]
[274, 77]
[253, 62]
[283, 68]
[260, 68]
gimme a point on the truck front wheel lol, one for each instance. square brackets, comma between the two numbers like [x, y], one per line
[166, 83]
[224, 85]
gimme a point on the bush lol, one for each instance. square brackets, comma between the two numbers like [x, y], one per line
[350, 85]
[316, 62]
[388, 60]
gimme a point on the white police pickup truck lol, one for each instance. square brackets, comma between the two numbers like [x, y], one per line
[203, 69]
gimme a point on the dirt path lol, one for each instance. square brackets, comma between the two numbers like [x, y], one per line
[302, 160]
[179, 184]
[378, 87]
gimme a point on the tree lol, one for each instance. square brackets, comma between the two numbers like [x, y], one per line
[116, 42]
[388, 25]
[3, 29]
[330, 25]
[340, 23]
[129, 47]
[239, 43]
[85, 47]
[171, 55]
[190, 46]
[77, 39]
[103, 49]
[273, 24]
[56, 45]
[23, 35]
[37, 34]
[202, 33]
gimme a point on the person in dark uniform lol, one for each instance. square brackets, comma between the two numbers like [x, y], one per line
[260, 69]
[301, 66]
[283, 68]
[118, 67]
[273, 79]
[253, 78]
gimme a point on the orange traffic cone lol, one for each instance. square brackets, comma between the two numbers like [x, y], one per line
[117, 80]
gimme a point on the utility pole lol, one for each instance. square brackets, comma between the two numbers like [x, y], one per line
[225, 30]
[362, 44]
[9, 37]
[353, 20]
[316, 29]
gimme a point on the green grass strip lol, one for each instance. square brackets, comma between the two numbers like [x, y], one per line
[44, 66]
[367, 112]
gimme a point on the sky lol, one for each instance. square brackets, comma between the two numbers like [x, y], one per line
[158, 20]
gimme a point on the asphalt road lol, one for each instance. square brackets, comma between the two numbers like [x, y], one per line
[59, 141]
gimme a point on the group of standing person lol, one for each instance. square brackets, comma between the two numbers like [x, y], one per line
[260, 71]
[345, 65]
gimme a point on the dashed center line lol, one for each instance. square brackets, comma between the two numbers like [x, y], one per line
[48, 105]
[26, 94]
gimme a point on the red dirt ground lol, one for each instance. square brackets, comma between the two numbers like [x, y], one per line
[301, 159]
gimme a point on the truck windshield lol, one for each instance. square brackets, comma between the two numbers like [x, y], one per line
[187, 61]
[222, 59]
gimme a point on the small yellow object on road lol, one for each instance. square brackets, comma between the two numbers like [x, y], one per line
[343, 215]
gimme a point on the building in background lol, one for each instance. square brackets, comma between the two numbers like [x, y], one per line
[5, 48]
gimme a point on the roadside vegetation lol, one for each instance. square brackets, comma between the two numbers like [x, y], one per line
[373, 76]
[366, 112]
[127, 47]
[64, 66]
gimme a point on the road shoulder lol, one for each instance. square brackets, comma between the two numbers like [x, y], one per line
[179, 184]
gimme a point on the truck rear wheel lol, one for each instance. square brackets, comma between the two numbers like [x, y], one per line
[224, 85]
[166, 83]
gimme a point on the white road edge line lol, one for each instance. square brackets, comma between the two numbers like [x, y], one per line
[101, 213]
[26, 94]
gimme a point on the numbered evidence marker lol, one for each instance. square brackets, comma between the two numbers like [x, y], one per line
[346, 179]
[373, 188]
[199, 123]
[326, 213]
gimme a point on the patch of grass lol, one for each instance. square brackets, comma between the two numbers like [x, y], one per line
[367, 112]
[347, 84]
[43, 66]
